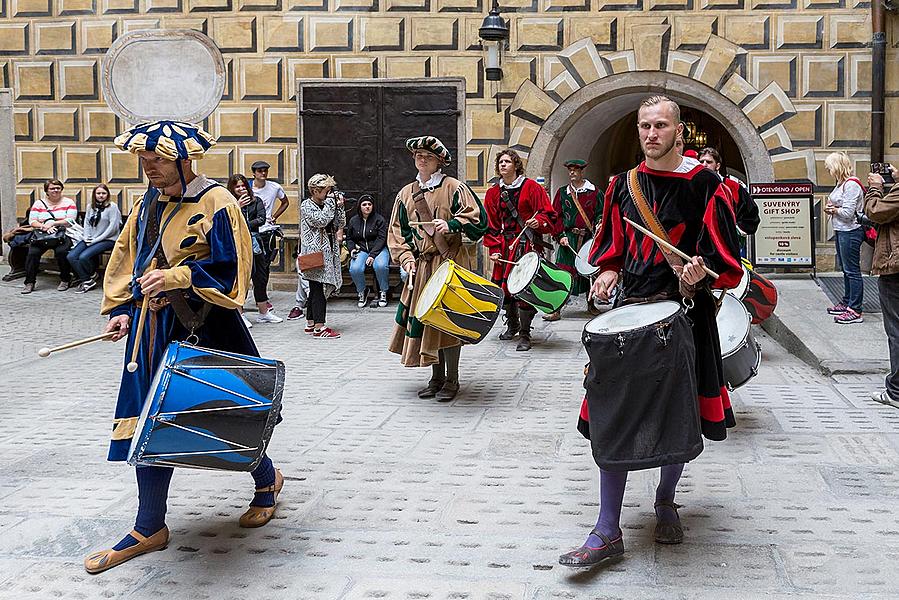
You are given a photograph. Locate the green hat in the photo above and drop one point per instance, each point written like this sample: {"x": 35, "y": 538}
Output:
{"x": 172, "y": 140}
{"x": 432, "y": 145}
{"x": 576, "y": 162}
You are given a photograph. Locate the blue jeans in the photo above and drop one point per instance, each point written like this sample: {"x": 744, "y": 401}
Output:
{"x": 381, "y": 267}
{"x": 83, "y": 258}
{"x": 849, "y": 244}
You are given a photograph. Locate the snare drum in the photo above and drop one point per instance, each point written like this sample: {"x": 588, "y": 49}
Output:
{"x": 757, "y": 293}
{"x": 540, "y": 283}
{"x": 641, "y": 387}
{"x": 582, "y": 260}
{"x": 459, "y": 302}
{"x": 741, "y": 355}
{"x": 208, "y": 409}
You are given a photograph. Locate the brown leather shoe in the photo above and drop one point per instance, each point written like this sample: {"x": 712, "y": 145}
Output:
{"x": 257, "y": 516}
{"x": 668, "y": 532}
{"x": 553, "y": 316}
{"x": 107, "y": 559}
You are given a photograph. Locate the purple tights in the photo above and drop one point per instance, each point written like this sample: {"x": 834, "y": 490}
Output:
{"x": 611, "y": 497}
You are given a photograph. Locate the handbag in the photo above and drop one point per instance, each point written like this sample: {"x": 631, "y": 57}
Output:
{"x": 47, "y": 239}
{"x": 313, "y": 260}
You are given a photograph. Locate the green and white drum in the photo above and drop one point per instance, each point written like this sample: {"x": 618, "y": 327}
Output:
{"x": 540, "y": 283}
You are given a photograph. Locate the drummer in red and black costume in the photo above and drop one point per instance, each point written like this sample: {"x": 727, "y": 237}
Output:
{"x": 694, "y": 209}
{"x": 204, "y": 242}
{"x": 571, "y": 204}
{"x": 746, "y": 210}
{"x": 513, "y": 201}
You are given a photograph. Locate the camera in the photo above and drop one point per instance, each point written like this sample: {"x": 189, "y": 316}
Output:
{"x": 883, "y": 169}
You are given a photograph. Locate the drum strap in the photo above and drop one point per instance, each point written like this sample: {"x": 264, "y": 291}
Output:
{"x": 192, "y": 320}
{"x": 535, "y": 240}
{"x": 425, "y": 214}
{"x": 580, "y": 209}
{"x": 651, "y": 221}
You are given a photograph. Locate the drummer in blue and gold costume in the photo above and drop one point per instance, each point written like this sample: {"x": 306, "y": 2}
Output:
{"x": 194, "y": 228}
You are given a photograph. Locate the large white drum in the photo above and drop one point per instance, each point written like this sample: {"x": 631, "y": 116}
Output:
{"x": 581, "y": 260}
{"x": 741, "y": 355}
{"x": 632, "y": 317}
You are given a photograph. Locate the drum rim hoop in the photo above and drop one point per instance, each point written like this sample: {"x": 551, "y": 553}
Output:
{"x": 540, "y": 261}
{"x": 746, "y": 335}
{"x": 680, "y": 310}
{"x": 450, "y": 269}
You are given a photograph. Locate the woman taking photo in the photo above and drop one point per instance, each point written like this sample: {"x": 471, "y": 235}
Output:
{"x": 366, "y": 240}
{"x": 102, "y": 224}
{"x": 253, "y": 210}
{"x": 50, "y": 218}
{"x": 845, "y": 201}
{"x": 321, "y": 217}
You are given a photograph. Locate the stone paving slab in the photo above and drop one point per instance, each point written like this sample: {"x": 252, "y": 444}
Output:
{"x": 390, "y": 496}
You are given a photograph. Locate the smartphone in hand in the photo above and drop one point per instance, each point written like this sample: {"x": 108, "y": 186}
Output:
{"x": 883, "y": 169}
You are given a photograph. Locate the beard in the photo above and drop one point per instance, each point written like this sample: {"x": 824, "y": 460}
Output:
{"x": 657, "y": 152}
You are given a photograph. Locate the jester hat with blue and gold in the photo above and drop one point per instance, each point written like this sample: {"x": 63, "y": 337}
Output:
{"x": 172, "y": 140}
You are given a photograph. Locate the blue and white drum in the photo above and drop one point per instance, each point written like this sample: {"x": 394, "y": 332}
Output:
{"x": 208, "y": 409}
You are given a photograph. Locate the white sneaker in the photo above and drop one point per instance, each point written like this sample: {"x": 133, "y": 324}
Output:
{"x": 382, "y": 299}
{"x": 246, "y": 321}
{"x": 362, "y": 298}
{"x": 268, "y": 317}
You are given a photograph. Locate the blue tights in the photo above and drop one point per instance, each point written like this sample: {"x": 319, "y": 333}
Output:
{"x": 153, "y": 491}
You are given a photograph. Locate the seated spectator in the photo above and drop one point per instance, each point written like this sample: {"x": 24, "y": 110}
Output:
{"x": 50, "y": 217}
{"x": 102, "y": 225}
{"x": 366, "y": 240}
{"x": 17, "y": 238}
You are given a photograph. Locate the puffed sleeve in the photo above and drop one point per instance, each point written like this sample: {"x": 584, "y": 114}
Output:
{"x": 608, "y": 248}
{"x": 493, "y": 237}
{"x": 469, "y": 217}
{"x": 117, "y": 296}
{"x": 541, "y": 205}
{"x": 718, "y": 243}
{"x": 400, "y": 240}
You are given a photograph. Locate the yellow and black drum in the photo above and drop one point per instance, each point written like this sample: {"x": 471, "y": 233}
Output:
{"x": 459, "y": 302}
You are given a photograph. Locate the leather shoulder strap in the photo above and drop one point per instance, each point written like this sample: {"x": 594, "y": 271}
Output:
{"x": 650, "y": 219}
{"x": 581, "y": 211}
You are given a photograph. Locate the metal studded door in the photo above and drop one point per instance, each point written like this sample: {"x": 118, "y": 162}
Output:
{"x": 357, "y": 132}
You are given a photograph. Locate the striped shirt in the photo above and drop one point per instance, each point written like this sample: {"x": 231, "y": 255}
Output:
{"x": 40, "y": 211}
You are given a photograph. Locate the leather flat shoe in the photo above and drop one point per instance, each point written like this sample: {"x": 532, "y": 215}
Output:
{"x": 668, "y": 532}
{"x": 107, "y": 559}
{"x": 448, "y": 391}
{"x": 585, "y": 556}
{"x": 257, "y": 516}
{"x": 432, "y": 389}
{"x": 553, "y": 316}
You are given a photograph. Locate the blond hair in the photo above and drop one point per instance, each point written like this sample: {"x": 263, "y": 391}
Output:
{"x": 320, "y": 180}
{"x": 838, "y": 165}
{"x": 656, "y": 100}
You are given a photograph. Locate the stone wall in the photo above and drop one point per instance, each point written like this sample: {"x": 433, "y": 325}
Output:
{"x": 799, "y": 68}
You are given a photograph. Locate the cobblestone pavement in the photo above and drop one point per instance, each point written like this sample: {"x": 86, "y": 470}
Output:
{"x": 388, "y": 496}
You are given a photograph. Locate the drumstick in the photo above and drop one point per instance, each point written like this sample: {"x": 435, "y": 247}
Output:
{"x": 515, "y": 241}
{"x": 45, "y": 352}
{"x": 420, "y": 223}
{"x": 503, "y": 260}
{"x": 411, "y": 276}
{"x": 132, "y": 366}
{"x": 665, "y": 244}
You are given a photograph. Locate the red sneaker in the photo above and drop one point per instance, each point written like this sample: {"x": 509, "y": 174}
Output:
{"x": 326, "y": 333}
{"x": 848, "y": 317}
{"x": 295, "y": 313}
{"x": 310, "y": 329}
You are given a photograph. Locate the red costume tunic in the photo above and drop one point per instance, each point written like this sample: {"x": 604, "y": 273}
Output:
{"x": 696, "y": 211}
{"x": 528, "y": 200}
{"x": 747, "y": 211}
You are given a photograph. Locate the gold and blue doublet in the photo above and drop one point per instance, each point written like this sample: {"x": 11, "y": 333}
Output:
{"x": 207, "y": 246}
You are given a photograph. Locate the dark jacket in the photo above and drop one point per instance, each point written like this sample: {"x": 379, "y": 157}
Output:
{"x": 369, "y": 235}
{"x": 254, "y": 213}
{"x": 884, "y": 210}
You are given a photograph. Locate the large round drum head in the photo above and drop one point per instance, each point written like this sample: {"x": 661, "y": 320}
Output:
{"x": 733, "y": 324}
{"x": 582, "y": 262}
{"x": 634, "y": 316}
{"x": 431, "y": 292}
{"x": 522, "y": 274}
{"x": 743, "y": 286}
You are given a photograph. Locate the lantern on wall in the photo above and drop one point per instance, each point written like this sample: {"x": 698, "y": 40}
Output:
{"x": 494, "y": 34}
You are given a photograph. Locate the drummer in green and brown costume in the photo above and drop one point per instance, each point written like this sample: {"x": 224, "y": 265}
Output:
{"x": 578, "y": 209}
{"x": 455, "y": 211}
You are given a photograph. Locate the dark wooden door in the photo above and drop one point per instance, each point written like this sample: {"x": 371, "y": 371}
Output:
{"x": 358, "y": 134}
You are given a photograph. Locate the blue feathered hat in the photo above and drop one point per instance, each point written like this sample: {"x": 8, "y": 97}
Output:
{"x": 172, "y": 140}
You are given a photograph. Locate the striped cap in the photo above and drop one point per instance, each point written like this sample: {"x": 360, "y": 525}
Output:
{"x": 172, "y": 140}
{"x": 432, "y": 145}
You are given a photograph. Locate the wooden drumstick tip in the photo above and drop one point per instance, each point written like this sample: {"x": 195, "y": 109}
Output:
{"x": 131, "y": 367}
{"x": 43, "y": 352}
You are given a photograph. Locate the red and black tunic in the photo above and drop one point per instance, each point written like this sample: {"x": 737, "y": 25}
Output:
{"x": 696, "y": 211}
{"x": 502, "y": 204}
{"x": 746, "y": 210}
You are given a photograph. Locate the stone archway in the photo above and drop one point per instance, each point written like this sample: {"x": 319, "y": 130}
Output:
{"x": 583, "y": 79}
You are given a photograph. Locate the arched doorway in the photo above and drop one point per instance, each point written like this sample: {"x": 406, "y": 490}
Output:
{"x": 596, "y": 119}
